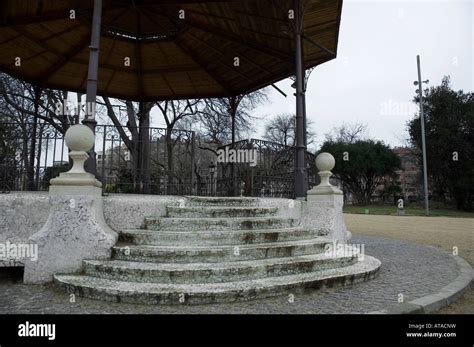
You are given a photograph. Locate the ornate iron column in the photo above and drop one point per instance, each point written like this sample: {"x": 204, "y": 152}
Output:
{"x": 300, "y": 165}
{"x": 92, "y": 76}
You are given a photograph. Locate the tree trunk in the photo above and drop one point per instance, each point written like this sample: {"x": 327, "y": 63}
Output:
{"x": 24, "y": 158}
{"x": 169, "y": 158}
{"x": 233, "y": 112}
{"x": 38, "y": 157}
{"x": 31, "y": 165}
{"x": 30, "y": 170}
{"x": 143, "y": 161}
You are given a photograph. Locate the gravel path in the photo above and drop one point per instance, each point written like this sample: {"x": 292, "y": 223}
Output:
{"x": 409, "y": 269}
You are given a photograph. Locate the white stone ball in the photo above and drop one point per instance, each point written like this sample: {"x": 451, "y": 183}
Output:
{"x": 325, "y": 161}
{"x": 79, "y": 138}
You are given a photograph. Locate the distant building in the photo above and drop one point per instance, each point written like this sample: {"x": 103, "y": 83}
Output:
{"x": 410, "y": 173}
{"x": 114, "y": 159}
{"x": 408, "y": 177}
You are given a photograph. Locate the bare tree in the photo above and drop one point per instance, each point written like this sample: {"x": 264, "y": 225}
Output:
{"x": 31, "y": 108}
{"x": 21, "y": 97}
{"x": 225, "y": 120}
{"x": 348, "y": 133}
{"x": 175, "y": 114}
{"x": 138, "y": 142}
{"x": 282, "y": 128}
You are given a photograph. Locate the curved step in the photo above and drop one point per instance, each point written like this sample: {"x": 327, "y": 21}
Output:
{"x": 190, "y": 254}
{"x": 212, "y": 272}
{"x": 219, "y": 211}
{"x": 222, "y": 201}
{"x": 218, "y": 237}
{"x": 193, "y": 224}
{"x": 176, "y": 294}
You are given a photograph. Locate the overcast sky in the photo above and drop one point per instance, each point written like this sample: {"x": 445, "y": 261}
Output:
{"x": 371, "y": 80}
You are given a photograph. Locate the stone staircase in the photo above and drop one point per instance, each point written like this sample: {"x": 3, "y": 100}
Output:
{"x": 216, "y": 250}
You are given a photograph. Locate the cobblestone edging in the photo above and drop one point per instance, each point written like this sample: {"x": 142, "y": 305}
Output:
{"x": 444, "y": 297}
{"x": 410, "y": 269}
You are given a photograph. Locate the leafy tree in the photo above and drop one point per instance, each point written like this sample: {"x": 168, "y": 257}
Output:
{"x": 393, "y": 191}
{"x": 449, "y": 128}
{"x": 362, "y": 165}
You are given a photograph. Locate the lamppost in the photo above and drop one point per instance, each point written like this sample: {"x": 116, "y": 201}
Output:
{"x": 419, "y": 83}
{"x": 212, "y": 172}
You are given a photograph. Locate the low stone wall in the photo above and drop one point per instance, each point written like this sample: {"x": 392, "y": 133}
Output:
{"x": 24, "y": 213}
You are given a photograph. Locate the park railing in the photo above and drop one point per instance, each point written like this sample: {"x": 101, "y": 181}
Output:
{"x": 147, "y": 160}
{"x": 270, "y": 175}
{"x": 30, "y": 155}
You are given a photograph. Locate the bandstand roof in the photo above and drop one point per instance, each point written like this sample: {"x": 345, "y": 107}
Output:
{"x": 170, "y": 58}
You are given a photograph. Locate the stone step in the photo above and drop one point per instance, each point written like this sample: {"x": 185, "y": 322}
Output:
{"x": 209, "y": 224}
{"x": 219, "y": 211}
{"x": 191, "y": 254}
{"x": 221, "y": 201}
{"x": 176, "y": 294}
{"x": 212, "y": 272}
{"x": 218, "y": 237}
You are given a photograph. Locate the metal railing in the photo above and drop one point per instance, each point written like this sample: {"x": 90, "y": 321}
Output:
{"x": 30, "y": 156}
{"x": 272, "y": 175}
{"x": 147, "y": 161}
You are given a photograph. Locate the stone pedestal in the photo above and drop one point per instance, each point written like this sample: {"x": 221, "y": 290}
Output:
{"x": 323, "y": 209}
{"x": 75, "y": 229}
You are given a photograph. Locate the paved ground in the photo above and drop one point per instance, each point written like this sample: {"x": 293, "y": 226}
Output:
{"x": 443, "y": 232}
{"x": 409, "y": 269}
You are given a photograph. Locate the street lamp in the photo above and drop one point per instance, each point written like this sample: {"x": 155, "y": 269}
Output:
{"x": 419, "y": 83}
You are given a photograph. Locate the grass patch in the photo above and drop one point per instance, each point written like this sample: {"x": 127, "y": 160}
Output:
{"x": 409, "y": 211}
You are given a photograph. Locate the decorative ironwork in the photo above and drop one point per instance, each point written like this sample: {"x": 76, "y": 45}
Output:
{"x": 149, "y": 161}
{"x": 272, "y": 176}
{"x": 22, "y": 170}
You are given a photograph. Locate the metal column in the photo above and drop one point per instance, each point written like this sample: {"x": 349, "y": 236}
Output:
{"x": 300, "y": 165}
{"x": 92, "y": 76}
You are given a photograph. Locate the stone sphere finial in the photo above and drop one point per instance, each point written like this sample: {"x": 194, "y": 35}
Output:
{"x": 79, "y": 138}
{"x": 325, "y": 161}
